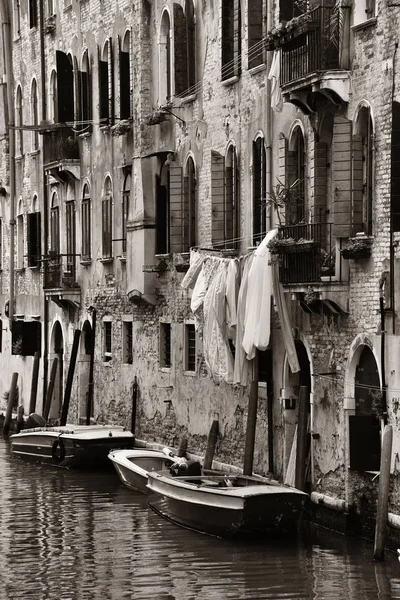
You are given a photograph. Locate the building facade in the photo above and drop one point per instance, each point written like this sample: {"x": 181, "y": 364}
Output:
{"x": 144, "y": 130}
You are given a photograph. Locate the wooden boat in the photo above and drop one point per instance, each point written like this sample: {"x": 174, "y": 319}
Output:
{"x": 133, "y": 465}
{"x": 71, "y": 445}
{"x": 226, "y": 505}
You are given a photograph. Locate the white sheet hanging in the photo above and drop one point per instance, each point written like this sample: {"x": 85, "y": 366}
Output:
{"x": 274, "y": 76}
{"x": 284, "y": 319}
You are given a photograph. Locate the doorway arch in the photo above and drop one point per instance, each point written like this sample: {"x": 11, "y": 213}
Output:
{"x": 57, "y": 351}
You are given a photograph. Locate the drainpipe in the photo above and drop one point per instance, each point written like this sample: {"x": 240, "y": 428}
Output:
{"x": 45, "y": 207}
{"x": 382, "y": 312}
{"x": 6, "y": 22}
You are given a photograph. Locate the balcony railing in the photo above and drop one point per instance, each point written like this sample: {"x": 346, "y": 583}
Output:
{"x": 314, "y": 45}
{"x": 60, "y": 272}
{"x": 60, "y": 145}
{"x": 306, "y": 253}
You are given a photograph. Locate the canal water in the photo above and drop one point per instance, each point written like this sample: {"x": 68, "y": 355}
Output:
{"x": 71, "y": 535}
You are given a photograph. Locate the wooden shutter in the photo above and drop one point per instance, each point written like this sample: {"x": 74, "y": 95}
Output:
{"x": 341, "y": 175}
{"x": 180, "y": 51}
{"x": 217, "y": 197}
{"x": 110, "y": 82}
{"x": 357, "y": 182}
{"x": 65, "y": 88}
{"x": 103, "y": 91}
{"x": 33, "y": 231}
{"x": 175, "y": 208}
{"x": 237, "y": 37}
{"x": 320, "y": 187}
{"x": 282, "y": 152}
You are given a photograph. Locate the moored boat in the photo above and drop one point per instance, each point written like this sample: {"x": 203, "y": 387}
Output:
{"x": 133, "y": 465}
{"x": 71, "y": 445}
{"x": 226, "y": 505}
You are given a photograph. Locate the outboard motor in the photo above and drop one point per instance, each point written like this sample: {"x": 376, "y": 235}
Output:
{"x": 191, "y": 467}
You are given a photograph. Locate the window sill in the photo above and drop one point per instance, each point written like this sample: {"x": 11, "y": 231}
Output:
{"x": 163, "y": 256}
{"x": 188, "y": 99}
{"x": 105, "y": 128}
{"x": 190, "y": 373}
{"x": 122, "y": 259}
{"x": 17, "y": 38}
{"x": 365, "y": 24}
{"x": 34, "y": 268}
{"x": 19, "y": 158}
{"x": 257, "y": 69}
{"x": 67, "y": 8}
{"x": 20, "y": 270}
{"x": 84, "y": 135}
{"x": 231, "y": 80}
{"x": 86, "y": 263}
{"x": 165, "y": 369}
{"x": 107, "y": 261}
{"x": 34, "y": 152}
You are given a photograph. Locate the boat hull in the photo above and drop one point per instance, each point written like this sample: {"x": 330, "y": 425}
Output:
{"x": 132, "y": 466}
{"x": 70, "y": 447}
{"x": 251, "y": 516}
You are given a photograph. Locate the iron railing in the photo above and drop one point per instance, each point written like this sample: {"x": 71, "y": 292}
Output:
{"x": 315, "y": 45}
{"x": 60, "y": 144}
{"x": 306, "y": 253}
{"x": 59, "y": 272}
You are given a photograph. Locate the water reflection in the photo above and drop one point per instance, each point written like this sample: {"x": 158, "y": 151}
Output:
{"x": 82, "y": 536}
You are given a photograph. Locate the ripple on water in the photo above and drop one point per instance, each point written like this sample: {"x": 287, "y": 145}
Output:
{"x": 70, "y": 535}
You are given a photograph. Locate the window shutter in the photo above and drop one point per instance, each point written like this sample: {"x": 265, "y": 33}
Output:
{"x": 176, "y": 208}
{"x": 237, "y": 37}
{"x": 103, "y": 91}
{"x": 180, "y": 51}
{"x": 282, "y": 151}
{"x": 341, "y": 175}
{"x": 65, "y": 88}
{"x": 110, "y": 82}
{"x": 357, "y": 182}
{"x": 217, "y": 197}
{"x": 320, "y": 190}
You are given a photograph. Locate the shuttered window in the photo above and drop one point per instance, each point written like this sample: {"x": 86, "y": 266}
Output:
{"x": 65, "y": 88}
{"x": 106, "y": 99}
{"x": 55, "y": 227}
{"x": 34, "y": 237}
{"x": 259, "y": 190}
{"x": 85, "y": 96}
{"x": 190, "y": 348}
{"x": 176, "y": 230}
{"x": 125, "y": 77}
{"x": 125, "y": 210}
{"x": 107, "y": 226}
{"x": 165, "y": 345}
{"x": 230, "y": 39}
{"x": 190, "y": 207}
{"x": 86, "y": 224}
{"x": 342, "y": 176}
{"x": 70, "y": 237}
{"x": 184, "y": 48}
{"x": 256, "y": 53}
{"x": 296, "y": 179}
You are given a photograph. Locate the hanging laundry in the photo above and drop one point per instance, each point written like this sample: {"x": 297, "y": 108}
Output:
{"x": 208, "y": 269}
{"x": 242, "y": 370}
{"x": 232, "y": 289}
{"x": 257, "y": 327}
{"x": 286, "y": 328}
{"x": 196, "y": 262}
{"x": 274, "y": 76}
{"x": 217, "y": 354}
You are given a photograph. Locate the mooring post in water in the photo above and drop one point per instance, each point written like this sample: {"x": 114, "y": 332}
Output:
{"x": 11, "y": 397}
{"x": 250, "y": 429}
{"x": 383, "y": 493}
{"x": 20, "y": 418}
{"x": 182, "y": 447}
{"x": 50, "y": 389}
{"x": 34, "y": 384}
{"x": 134, "y": 404}
{"x": 211, "y": 444}
{"x": 70, "y": 377}
{"x": 301, "y": 447}
{"x": 89, "y": 397}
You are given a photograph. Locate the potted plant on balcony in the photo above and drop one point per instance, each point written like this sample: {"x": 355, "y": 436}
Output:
{"x": 357, "y": 248}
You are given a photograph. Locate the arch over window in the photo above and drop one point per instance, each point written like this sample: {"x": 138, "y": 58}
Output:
{"x": 296, "y": 178}
{"x": 125, "y": 77}
{"x": 231, "y": 225}
{"x": 65, "y": 87}
{"x": 70, "y": 225}
{"x": 53, "y": 109}
{"x": 20, "y": 235}
{"x": 34, "y": 116}
{"x": 125, "y": 209}
{"x": 107, "y": 220}
{"x": 19, "y": 122}
{"x": 84, "y": 116}
{"x": 106, "y": 73}
{"x": 259, "y": 180}
{"x": 165, "y": 79}
{"x": 363, "y": 154}
{"x": 190, "y": 206}
{"x": 55, "y": 225}
{"x": 86, "y": 224}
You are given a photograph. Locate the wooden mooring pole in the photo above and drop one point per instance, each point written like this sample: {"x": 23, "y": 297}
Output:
{"x": 301, "y": 448}
{"x": 11, "y": 397}
{"x": 383, "y": 493}
{"x": 134, "y": 404}
{"x": 34, "y": 384}
{"x": 70, "y": 377}
{"x": 89, "y": 397}
{"x": 211, "y": 443}
{"x": 251, "y": 429}
{"x": 50, "y": 389}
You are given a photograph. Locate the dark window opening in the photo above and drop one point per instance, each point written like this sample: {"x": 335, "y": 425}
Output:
{"x": 259, "y": 191}
{"x": 86, "y": 227}
{"x": 231, "y": 39}
{"x": 25, "y": 337}
{"x": 106, "y": 86}
{"x": 125, "y": 211}
{"x": 85, "y": 96}
{"x": 264, "y": 366}
{"x": 34, "y": 238}
{"x": 32, "y": 14}
{"x": 125, "y": 81}
{"x": 231, "y": 200}
{"x": 190, "y": 206}
{"x": 296, "y": 206}
{"x": 291, "y": 8}
{"x": 107, "y": 340}
{"x": 107, "y": 221}
{"x": 165, "y": 345}
{"x": 127, "y": 343}
{"x": 65, "y": 88}
{"x": 71, "y": 239}
{"x": 190, "y": 363}
{"x": 162, "y": 212}
{"x": 256, "y": 54}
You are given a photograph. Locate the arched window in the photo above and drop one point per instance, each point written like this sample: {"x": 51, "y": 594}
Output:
{"x": 65, "y": 87}
{"x": 53, "y": 111}
{"x": 125, "y": 210}
{"x": 86, "y": 224}
{"x": 106, "y": 100}
{"x": 107, "y": 220}
{"x": 165, "y": 58}
{"x": 34, "y": 116}
{"x": 230, "y": 39}
{"x": 34, "y": 235}
{"x": 20, "y": 235}
{"x": 256, "y": 30}
{"x": 125, "y": 77}
{"x": 231, "y": 229}
{"x": 190, "y": 206}
{"x": 19, "y": 150}
{"x": 55, "y": 226}
{"x": 162, "y": 210}
{"x": 259, "y": 181}
{"x": 296, "y": 178}
{"x": 70, "y": 231}
{"x": 363, "y": 154}
{"x": 184, "y": 48}
{"x": 85, "y": 99}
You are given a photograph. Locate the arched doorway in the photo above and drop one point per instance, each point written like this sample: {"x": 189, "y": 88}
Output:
{"x": 84, "y": 367}
{"x": 293, "y": 382}
{"x": 57, "y": 350}
{"x": 365, "y": 442}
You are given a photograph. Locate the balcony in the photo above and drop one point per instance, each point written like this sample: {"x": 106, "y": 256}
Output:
{"x": 314, "y": 55}
{"x": 61, "y": 152}
{"x": 60, "y": 280}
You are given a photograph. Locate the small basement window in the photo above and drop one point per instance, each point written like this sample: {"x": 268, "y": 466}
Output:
{"x": 107, "y": 340}
{"x": 127, "y": 350}
{"x": 26, "y": 337}
{"x": 165, "y": 345}
{"x": 190, "y": 347}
